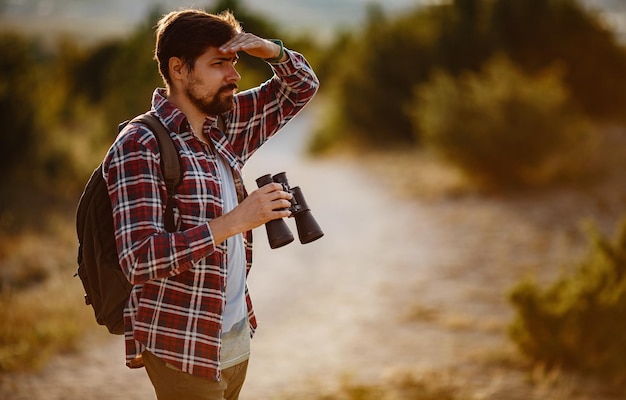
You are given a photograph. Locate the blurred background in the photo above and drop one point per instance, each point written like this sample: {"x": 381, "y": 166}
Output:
{"x": 468, "y": 104}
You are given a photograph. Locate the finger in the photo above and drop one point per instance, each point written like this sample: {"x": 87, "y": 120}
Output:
{"x": 282, "y": 195}
{"x": 270, "y": 187}
{"x": 280, "y": 204}
{"x": 276, "y": 189}
{"x": 242, "y": 41}
{"x": 229, "y": 46}
{"x": 280, "y": 213}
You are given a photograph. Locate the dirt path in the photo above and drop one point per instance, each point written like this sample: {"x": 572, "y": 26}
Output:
{"x": 393, "y": 286}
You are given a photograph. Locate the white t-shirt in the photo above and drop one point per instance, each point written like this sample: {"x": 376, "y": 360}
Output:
{"x": 235, "y": 332}
{"x": 235, "y": 309}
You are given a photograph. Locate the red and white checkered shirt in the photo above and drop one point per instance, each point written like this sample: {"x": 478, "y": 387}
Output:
{"x": 175, "y": 308}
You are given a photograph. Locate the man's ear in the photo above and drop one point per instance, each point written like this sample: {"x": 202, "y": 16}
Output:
{"x": 177, "y": 68}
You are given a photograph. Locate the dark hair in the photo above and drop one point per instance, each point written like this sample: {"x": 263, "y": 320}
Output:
{"x": 187, "y": 34}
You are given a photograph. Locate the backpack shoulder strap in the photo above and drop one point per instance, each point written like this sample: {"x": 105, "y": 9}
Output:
{"x": 170, "y": 163}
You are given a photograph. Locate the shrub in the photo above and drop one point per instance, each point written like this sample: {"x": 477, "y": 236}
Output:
{"x": 536, "y": 33}
{"x": 502, "y": 127}
{"x": 578, "y": 322}
{"x": 377, "y": 68}
{"x": 41, "y": 305}
{"x": 18, "y": 108}
{"x": 371, "y": 80}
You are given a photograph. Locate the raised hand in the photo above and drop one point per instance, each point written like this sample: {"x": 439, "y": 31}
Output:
{"x": 251, "y": 44}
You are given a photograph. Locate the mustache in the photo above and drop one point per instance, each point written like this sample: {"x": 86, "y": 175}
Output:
{"x": 229, "y": 87}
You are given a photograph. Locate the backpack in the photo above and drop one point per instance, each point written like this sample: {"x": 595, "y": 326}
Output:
{"x": 106, "y": 287}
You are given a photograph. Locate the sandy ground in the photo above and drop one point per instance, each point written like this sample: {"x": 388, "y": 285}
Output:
{"x": 394, "y": 286}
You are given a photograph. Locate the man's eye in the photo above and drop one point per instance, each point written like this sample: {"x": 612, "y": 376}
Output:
{"x": 224, "y": 62}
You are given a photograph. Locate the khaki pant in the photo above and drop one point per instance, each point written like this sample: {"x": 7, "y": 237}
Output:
{"x": 172, "y": 384}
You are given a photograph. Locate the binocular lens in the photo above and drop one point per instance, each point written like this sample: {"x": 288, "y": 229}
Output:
{"x": 278, "y": 233}
{"x": 308, "y": 229}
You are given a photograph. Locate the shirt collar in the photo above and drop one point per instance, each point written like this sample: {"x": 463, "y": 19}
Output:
{"x": 170, "y": 115}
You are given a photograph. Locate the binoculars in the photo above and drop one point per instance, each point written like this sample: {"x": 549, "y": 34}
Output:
{"x": 278, "y": 232}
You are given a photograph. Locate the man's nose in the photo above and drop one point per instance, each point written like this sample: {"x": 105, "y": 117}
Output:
{"x": 233, "y": 75}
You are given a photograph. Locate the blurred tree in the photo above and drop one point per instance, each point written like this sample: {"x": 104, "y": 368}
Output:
{"x": 251, "y": 22}
{"x": 19, "y": 80}
{"x": 538, "y": 33}
{"x": 378, "y": 67}
{"x": 90, "y": 75}
{"x": 577, "y": 321}
{"x": 502, "y": 127}
{"x": 464, "y": 42}
{"x": 373, "y": 77}
{"x": 131, "y": 76}
{"x": 36, "y": 108}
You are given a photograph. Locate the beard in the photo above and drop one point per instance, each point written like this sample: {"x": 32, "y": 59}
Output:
{"x": 208, "y": 104}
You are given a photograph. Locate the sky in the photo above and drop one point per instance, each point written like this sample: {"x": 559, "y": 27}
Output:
{"x": 111, "y": 17}
{"x": 118, "y": 15}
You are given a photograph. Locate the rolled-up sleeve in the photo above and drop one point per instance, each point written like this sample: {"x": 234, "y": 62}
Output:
{"x": 260, "y": 112}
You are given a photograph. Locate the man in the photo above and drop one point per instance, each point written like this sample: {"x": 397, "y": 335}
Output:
{"x": 189, "y": 319}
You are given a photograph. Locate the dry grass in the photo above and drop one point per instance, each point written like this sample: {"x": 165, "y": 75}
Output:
{"x": 399, "y": 385}
{"x": 419, "y": 174}
{"x": 415, "y": 173}
{"x": 41, "y": 305}
{"x": 547, "y": 223}
{"x": 454, "y": 321}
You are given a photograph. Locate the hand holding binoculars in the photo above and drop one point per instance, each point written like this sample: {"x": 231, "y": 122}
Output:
{"x": 278, "y": 232}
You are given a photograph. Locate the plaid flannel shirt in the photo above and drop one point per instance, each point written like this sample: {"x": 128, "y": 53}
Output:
{"x": 175, "y": 308}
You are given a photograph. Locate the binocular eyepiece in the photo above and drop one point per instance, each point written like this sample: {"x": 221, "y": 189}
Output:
{"x": 278, "y": 232}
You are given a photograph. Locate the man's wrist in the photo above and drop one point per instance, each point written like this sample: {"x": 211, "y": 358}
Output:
{"x": 281, "y": 53}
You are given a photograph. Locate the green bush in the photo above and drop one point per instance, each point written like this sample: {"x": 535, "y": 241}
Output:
{"x": 371, "y": 79}
{"x": 537, "y": 33}
{"x": 502, "y": 127}
{"x": 19, "y": 79}
{"x": 376, "y": 69}
{"x": 578, "y": 322}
